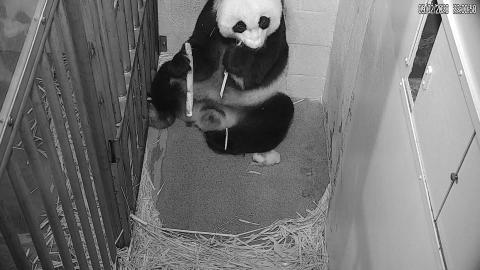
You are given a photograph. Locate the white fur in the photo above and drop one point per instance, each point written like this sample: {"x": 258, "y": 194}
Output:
{"x": 229, "y": 12}
{"x": 210, "y": 89}
{"x": 267, "y": 159}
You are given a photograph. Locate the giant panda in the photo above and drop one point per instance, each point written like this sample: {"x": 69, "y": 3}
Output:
{"x": 245, "y": 38}
{"x": 250, "y": 34}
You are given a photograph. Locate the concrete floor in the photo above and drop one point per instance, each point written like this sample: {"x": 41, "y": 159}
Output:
{"x": 203, "y": 191}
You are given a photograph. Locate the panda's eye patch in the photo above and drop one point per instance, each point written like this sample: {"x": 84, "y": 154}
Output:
{"x": 264, "y": 22}
{"x": 239, "y": 27}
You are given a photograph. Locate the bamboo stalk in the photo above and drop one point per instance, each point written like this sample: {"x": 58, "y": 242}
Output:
{"x": 43, "y": 183}
{"x": 10, "y": 237}
{"x": 23, "y": 197}
{"x": 60, "y": 128}
{"x": 58, "y": 176}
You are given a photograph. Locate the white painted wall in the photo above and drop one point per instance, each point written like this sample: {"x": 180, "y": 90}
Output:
{"x": 388, "y": 161}
{"x": 310, "y": 26}
{"x": 379, "y": 216}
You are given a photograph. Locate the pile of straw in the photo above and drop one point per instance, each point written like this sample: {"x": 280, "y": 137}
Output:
{"x": 286, "y": 244}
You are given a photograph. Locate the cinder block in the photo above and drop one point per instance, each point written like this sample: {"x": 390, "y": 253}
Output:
{"x": 292, "y": 5}
{"x": 316, "y": 5}
{"x": 313, "y": 28}
{"x": 300, "y": 86}
{"x": 308, "y": 60}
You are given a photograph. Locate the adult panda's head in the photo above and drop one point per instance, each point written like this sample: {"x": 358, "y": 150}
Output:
{"x": 249, "y": 21}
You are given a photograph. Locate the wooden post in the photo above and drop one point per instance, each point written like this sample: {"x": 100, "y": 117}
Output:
{"x": 43, "y": 183}
{"x": 58, "y": 176}
{"x": 113, "y": 51}
{"x": 11, "y": 238}
{"x": 85, "y": 94}
{"x": 70, "y": 165}
{"x": 24, "y": 200}
{"x": 129, "y": 22}
{"x": 76, "y": 134}
{"x": 123, "y": 35}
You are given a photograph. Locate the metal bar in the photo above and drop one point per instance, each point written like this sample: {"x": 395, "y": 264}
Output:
{"x": 152, "y": 36}
{"x": 43, "y": 183}
{"x": 58, "y": 176}
{"x": 11, "y": 239}
{"x": 22, "y": 79}
{"x": 71, "y": 167}
{"x": 157, "y": 40}
{"x": 141, "y": 63}
{"x": 119, "y": 178}
{"x": 126, "y": 158}
{"x": 67, "y": 96}
{"x": 94, "y": 137}
{"x": 113, "y": 54}
{"x": 24, "y": 200}
{"x": 148, "y": 39}
{"x": 136, "y": 18}
{"x": 134, "y": 88}
{"x": 122, "y": 34}
{"x": 134, "y": 156}
{"x": 454, "y": 176}
{"x": 142, "y": 72}
{"x": 129, "y": 21}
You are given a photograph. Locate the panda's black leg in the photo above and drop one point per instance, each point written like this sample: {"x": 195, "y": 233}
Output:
{"x": 260, "y": 129}
{"x": 166, "y": 98}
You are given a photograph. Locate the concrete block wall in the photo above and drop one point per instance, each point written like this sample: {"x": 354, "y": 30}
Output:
{"x": 310, "y": 26}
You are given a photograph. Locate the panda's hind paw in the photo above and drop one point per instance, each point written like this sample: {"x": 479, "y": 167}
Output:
{"x": 160, "y": 120}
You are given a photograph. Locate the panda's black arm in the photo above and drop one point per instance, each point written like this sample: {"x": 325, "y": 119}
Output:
{"x": 166, "y": 97}
{"x": 203, "y": 49}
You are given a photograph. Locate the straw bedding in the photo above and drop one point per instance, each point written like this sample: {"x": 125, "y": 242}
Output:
{"x": 296, "y": 243}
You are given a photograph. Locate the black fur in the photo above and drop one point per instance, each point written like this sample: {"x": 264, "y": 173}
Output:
{"x": 263, "y": 128}
{"x": 260, "y": 127}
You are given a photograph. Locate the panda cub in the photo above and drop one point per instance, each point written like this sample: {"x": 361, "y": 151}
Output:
{"x": 245, "y": 38}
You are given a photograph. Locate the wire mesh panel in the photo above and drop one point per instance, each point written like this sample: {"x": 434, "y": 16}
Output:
{"x": 73, "y": 130}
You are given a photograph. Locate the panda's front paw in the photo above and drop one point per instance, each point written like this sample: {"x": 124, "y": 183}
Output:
{"x": 179, "y": 66}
